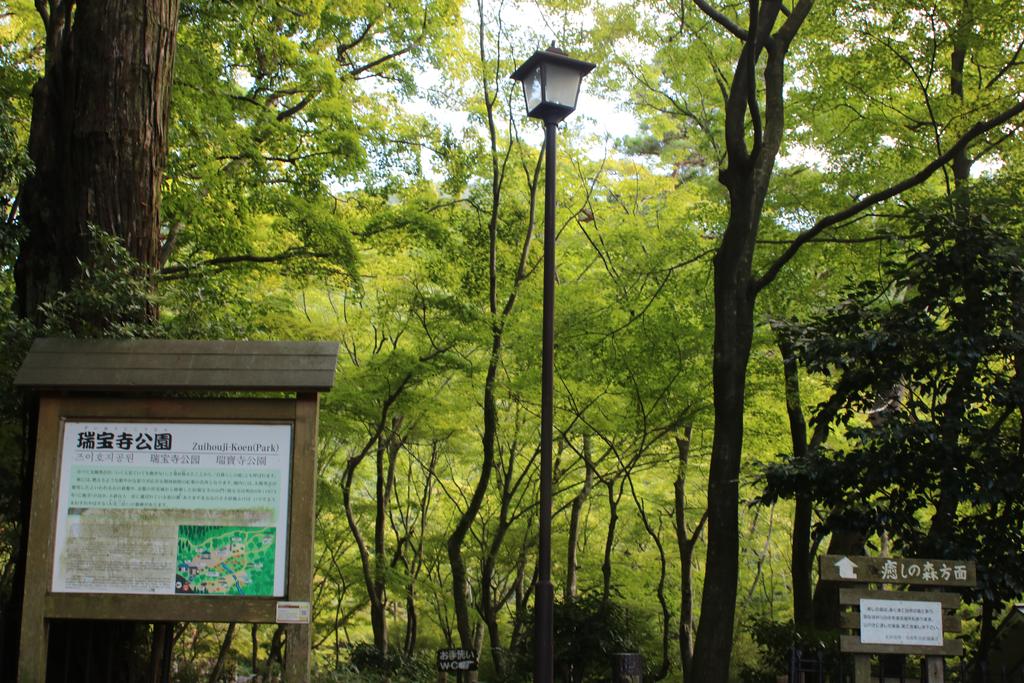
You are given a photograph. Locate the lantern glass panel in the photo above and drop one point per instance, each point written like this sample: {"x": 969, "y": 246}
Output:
{"x": 533, "y": 90}
{"x": 563, "y": 85}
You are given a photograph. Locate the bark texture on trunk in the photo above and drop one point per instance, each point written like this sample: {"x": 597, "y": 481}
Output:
{"x": 753, "y": 136}
{"x": 98, "y": 145}
{"x": 98, "y": 139}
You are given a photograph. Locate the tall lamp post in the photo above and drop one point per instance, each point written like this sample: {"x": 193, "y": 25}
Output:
{"x": 551, "y": 83}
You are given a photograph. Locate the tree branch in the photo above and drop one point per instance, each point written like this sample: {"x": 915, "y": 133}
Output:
{"x": 344, "y": 48}
{"x": 870, "y": 200}
{"x": 299, "y": 106}
{"x": 44, "y": 12}
{"x": 794, "y": 20}
{"x": 380, "y": 60}
{"x": 175, "y": 272}
{"x": 721, "y": 19}
{"x": 1013, "y": 62}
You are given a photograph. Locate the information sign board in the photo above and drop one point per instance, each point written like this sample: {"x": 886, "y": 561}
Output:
{"x": 172, "y": 508}
{"x": 899, "y": 570}
{"x": 900, "y": 622}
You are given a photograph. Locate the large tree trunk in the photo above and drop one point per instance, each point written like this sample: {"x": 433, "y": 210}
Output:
{"x": 98, "y": 139}
{"x": 733, "y": 334}
{"x": 747, "y": 178}
{"x": 98, "y": 144}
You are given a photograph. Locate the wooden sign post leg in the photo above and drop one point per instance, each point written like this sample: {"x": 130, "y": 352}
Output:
{"x": 300, "y": 555}
{"x": 296, "y": 654}
{"x": 32, "y": 657}
{"x": 862, "y": 669}
{"x": 936, "y": 669}
{"x": 34, "y": 629}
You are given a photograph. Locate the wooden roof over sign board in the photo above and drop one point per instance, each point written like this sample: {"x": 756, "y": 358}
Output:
{"x": 178, "y": 365}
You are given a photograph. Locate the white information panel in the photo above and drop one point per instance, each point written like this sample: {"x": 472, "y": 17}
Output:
{"x": 900, "y": 622}
{"x": 173, "y": 508}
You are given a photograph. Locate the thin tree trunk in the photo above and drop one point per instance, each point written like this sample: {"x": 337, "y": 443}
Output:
{"x": 686, "y": 543}
{"x": 666, "y": 613}
{"x": 371, "y": 573}
{"x": 275, "y": 653}
{"x": 460, "y": 584}
{"x": 412, "y": 619}
{"x": 800, "y": 545}
{"x": 254, "y": 646}
{"x": 571, "y": 563}
{"x": 222, "y": 654}
{"x": 609, "y": 543}
{"x": 387, "y": 457}
{"x": 490, "y": 604}
{"x": 989, "y": 610}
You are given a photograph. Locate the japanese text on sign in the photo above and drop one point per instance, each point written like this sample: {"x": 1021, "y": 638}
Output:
{"x": 456, "y": 659}
{"x": 901, "y": 570}
{"x": 900, "y": 622}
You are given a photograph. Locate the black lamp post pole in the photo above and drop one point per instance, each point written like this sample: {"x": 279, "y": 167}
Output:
{"x": 551, "y": 84}
{"x": 545, "y": 595}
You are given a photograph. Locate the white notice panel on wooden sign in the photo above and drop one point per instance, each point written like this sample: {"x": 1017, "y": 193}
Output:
{"x": 900, "y": 622}
{"x": 173, "y": 508}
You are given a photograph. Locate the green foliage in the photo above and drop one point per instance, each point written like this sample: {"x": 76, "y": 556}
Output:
{"x": 111, "y": 298}
{"x": 369, "y": 665}
{"x": 276, "y": 109}
{"x": 776, "y": 640}
{"x": 588, "y": 631}
{"x": 18, "y": 71}
{"x": 304, "y": 200}
{"x": 931, "y": 352}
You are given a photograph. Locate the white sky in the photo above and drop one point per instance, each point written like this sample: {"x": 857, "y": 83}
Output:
{"x": 596, "y": 116}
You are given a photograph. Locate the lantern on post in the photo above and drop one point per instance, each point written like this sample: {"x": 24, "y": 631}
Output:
{"x": 551, "y": 83}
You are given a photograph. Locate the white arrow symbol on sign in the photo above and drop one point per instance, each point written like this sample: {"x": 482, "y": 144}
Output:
{"x": 846, "y": 568}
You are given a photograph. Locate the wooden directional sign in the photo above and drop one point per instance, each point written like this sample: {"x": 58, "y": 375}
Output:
{"x": 901, "y": 570}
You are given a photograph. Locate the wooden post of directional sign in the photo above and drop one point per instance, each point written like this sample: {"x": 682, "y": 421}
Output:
{"x": 183, "y": 509}
{"x": 899, "y": 622}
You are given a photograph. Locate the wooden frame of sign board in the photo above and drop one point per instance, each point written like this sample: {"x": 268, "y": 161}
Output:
{"x": 149, "y": 366}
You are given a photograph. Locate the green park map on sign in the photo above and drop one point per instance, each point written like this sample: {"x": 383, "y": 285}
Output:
{"x": 225, "y": 560}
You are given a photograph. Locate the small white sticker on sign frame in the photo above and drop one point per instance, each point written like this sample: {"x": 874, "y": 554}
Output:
{"x": 293, "y": 612}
